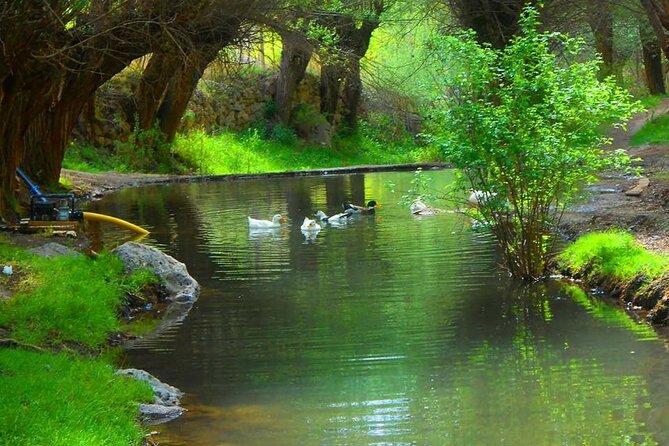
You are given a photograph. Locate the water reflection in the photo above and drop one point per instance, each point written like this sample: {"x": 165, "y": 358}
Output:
{"x": 390, "y": 330}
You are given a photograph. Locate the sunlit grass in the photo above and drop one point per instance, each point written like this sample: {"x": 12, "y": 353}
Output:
{"x": 613, "y": 254}
{"x": 65, "y": 299}
{"x": 63, "y": 400}
{"x": 232, "y": 153}
{"x": 654, "y": 132}
{"x": 252, "y": 152}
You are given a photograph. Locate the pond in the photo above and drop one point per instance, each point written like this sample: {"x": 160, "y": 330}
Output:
{"x": 389, "y": 330}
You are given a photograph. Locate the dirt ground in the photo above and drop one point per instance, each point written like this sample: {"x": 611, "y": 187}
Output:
{"x": 606, "y": 204}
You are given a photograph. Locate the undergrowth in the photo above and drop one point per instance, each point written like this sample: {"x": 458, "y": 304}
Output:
{"x": 256, "y": 150}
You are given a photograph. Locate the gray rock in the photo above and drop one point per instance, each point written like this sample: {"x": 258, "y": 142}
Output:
{"x": 53, "y": 249}
{"x": 164, "y": 394}
{"x": 158, "y": 414}
{"x": 182, "y": 289}
{"x": 174, "y": 275}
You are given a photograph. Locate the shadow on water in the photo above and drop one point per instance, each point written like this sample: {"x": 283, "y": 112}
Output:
{"x": 389, "y": 330}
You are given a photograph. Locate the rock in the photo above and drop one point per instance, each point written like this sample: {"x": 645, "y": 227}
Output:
{"x": 166, "y": 398}
{"x": 164, "y": 394}
{"x": 638, "y": 188}
{"x": 54, "y": 250}
{"x": 180, "y": 286}
{"x": 158, "y": 414}
{"x": 182, "y": 290}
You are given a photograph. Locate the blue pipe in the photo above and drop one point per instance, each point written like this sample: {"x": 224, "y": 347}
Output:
{"x": 34, "y": 190}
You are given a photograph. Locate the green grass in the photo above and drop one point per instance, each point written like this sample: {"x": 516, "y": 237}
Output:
{"x": 87, "y": 158}
{"x": 654, "y": 132}
{"x": 253, "y": 152}
{"x": 613, "y": 254}
{"x": 648, "y": 102}
{"x": 63, "y": 400}
{"x": 65, "y": 299}
{"x": 231, "y": 153}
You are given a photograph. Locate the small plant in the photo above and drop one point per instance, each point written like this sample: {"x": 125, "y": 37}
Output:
{"x": 284, "y": 135}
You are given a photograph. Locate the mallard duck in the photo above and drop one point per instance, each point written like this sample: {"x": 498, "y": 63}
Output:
{"x": 310, "y": 225}
{"x": 369, "y": 209}
{"x": 267, "y": 224}
{"x": 336, "y": 218}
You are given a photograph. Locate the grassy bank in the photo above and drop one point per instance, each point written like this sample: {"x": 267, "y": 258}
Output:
{"x": 615, "y": 261}
{"x": 65, "y": 305}
{"x": 251, "y": 151}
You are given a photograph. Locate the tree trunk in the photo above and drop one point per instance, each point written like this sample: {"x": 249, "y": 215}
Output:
{"x": 601, "y": 23}
{"x": 358, "y": 41}
{"x": 181, "y": 87}
{"x": 157, "y": 74}
{"x": 295, "y": 57}
{"x": 659, "y": 20}
{"x": 351, "y": 95}
{"x": 329, "y": 90}
{"x": 494, "y": 21}
{"x": 652, "y": 61}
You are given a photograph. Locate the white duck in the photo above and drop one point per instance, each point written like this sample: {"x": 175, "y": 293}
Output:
{"x": 418, "y": 207}
{"x": 310, "y": 225}
{"x": 477, "y": 197}
{"x": 336, "y": 218}
{"x": 267, "y": 224}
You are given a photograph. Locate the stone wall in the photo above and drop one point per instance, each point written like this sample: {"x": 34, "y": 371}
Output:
{"x": 235, "y": 104}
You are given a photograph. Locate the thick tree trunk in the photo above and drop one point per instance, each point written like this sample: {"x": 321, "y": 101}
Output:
{"x": 181, "y": 87}
{"x": 295, "y": 57}
{"x": 50, "y": 130}
{"x": 46, "y": 139}
{"x": 658, "y": 15}
{"x": 494, "y": 21}
{"x": 330, "y": 86}
{"x": 358, "y": 41}
{"x": 351, "y": 96}
{"x": 652, "y": 61}
{"x": 157, "y": 74}
{"x": 601, "y": 23}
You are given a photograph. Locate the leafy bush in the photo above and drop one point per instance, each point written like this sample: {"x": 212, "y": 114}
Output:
{"x": 523, "y": 125}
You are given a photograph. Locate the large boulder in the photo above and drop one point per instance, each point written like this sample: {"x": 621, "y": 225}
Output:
{"x": 181, "y": 288}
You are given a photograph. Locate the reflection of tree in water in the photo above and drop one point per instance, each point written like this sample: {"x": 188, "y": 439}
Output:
{"x": 536, "y": 362}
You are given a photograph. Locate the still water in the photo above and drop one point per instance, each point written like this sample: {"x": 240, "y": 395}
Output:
{"x": 390, "y": 330}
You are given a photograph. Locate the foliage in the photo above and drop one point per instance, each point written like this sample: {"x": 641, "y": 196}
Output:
{"x": 523, "y": 125}
{"x": 306, "y": 117}
{"x": 146, "y": 150}
{"x": 613, "y": 254}
{"x": 283, "y": 135}
{"x": 62, "y": 400}
{"x": 653, "y": 132}
{"x": 89, "y": 158}
{"x": 419, "y": 188}
{"x": 251, "y": 152}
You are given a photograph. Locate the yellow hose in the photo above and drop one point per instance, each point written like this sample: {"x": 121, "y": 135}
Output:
{"x": 117, "y": 221}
